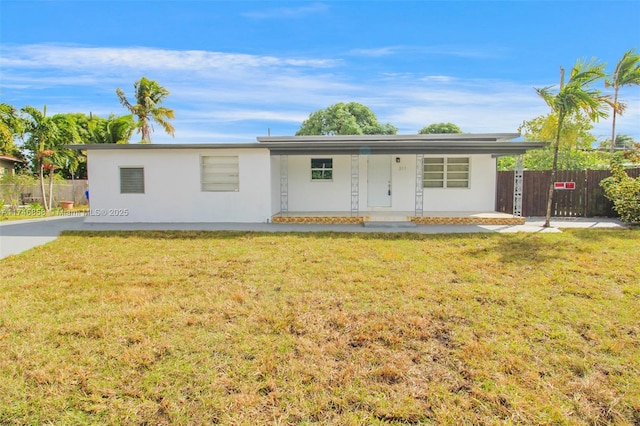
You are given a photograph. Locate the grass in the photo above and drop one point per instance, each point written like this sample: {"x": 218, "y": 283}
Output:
{"x": 345, "y": 329}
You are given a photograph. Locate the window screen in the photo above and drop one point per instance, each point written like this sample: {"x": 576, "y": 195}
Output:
{"x": 219, "y": 173}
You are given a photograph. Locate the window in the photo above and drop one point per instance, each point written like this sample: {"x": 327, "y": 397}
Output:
{"x": 321, "y": 168}
{"x": 446, "y": 172}
{"x": 433, "y": 173}
{"x": 219, "y": 173}
{"x": 132, "y": 180}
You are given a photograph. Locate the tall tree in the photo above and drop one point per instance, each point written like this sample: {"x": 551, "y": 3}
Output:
{"x": 574, "y": 97}
{"x": 345, "y": 119}
{"x": 11, "y": 127}
{"x": 47, "y": 137}
{"x": 113, "y": 129}
{"x": 42, "y": 131}
{"x": 576, "y": 130}
{"x": 627, "y": 73}
{"x": 439, "y": 128}
{"x": 72, "y": 129}
{"x": 149, "y": 96}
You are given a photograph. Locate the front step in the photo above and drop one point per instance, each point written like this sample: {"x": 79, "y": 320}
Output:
{"x": 388, "y": 224}
{"x": 387, "y": 218}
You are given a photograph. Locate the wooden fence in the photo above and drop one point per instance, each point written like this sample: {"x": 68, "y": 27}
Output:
{"x": 586, "y": 199}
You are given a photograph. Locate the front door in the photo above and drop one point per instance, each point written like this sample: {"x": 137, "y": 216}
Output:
{"x": 379, "y": 181}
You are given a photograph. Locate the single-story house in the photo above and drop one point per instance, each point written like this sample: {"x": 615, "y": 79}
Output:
{"x": 7, "y": 164}
{"x": 348, "y": 179}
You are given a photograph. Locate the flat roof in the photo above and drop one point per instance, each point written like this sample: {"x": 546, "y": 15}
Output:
{"x": 441, "y": 137}
{"x": 496, "y": 144}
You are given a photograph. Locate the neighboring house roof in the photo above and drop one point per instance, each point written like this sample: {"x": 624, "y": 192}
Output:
{"x": 10, "y": 158}
{"x": 467, "y": 143}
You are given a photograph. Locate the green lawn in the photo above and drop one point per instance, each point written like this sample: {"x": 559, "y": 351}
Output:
{"x": 253, "y": 328}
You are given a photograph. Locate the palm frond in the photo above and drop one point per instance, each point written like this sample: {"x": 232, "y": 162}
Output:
{"x": 123, "y": 98}
{"x": 627, "y": 70}
{"x": 586, "y": 73}
{"x": 546, "y": 94}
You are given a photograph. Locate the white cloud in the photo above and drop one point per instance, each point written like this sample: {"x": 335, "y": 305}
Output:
{"x": 436, "y": 50}
{"x": 375, "y": 52}
{"x": 242, "y": 114}
{"x": 287, "y": 12}
{"x": 106, "y": 58}
{"x": 234, "y": 96}
{"x": 438, "y": 78}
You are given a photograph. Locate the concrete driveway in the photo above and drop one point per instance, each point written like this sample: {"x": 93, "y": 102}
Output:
{"x": 19, "y": 236}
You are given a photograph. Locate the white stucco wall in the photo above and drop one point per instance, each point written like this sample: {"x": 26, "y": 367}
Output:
{"x": 306, "y": 195}
{"x": 172, "y": 187}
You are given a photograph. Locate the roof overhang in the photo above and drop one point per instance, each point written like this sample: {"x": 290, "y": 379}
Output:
{"x": 10, "y": 158}
{"x": 373, "y": 148}
{"x": 496, "y": 144}
{"x": 442, "y": 137}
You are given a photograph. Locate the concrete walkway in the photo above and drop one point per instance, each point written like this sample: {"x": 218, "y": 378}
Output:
{"x": 19, "y": 236}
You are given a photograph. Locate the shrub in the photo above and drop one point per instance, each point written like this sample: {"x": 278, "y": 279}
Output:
{"x": 35, "y": 206}
{"x": 624, "y": 192}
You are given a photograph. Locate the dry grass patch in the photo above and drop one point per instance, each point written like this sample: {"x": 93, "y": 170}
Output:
{"x": 250, "y": 328}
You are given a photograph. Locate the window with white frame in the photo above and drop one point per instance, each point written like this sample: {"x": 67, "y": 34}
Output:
{"x": 447, "y": 172}
{"x": 322, "y": 169}
{"x": 219, "y": 173}
{"x": 132, "y": 180}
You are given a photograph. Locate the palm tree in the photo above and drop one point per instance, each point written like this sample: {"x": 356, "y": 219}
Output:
{"x": 42, "y": 132}
{"x": 113, "y": 129}
{"x": 627, "y": 73}
{"x": 47, "y": 137}
{"x": 570, "y": 99}
{"x": 149, "y": 95}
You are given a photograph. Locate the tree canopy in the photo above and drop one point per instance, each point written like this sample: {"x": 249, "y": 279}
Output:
{"x": 439, "y": 128}
{"x": 627, "y": 73}
{"x": 11, "y": 126}
{"x": 148, "y": 97}
{"x": 575, "y": 132}
{"x": 345, "y": 119}
{"x": 113, "y": 129}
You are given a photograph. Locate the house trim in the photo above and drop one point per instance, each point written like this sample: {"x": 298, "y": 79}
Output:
{"x": 496, "y": 144}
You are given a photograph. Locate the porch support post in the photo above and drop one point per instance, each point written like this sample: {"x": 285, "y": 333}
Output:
{"x": 518, "y": 174}
{"x": 419, "y": 186}
{"x": 355, "y": 184}
{"x": 284, "y": 184}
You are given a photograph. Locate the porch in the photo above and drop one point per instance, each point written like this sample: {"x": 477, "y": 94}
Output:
{"x": 408, "y": 217}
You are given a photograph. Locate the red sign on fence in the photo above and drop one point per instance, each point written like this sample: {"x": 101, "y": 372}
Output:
{"x": 564, "y": 185}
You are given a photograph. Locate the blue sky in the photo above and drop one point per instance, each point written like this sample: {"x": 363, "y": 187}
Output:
{"x": 238, "y": 68}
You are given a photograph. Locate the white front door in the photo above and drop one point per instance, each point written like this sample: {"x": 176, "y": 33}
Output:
{"x": 379, "y": 181}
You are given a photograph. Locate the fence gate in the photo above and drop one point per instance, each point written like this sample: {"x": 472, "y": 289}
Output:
{"x": 578, "y": 193}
